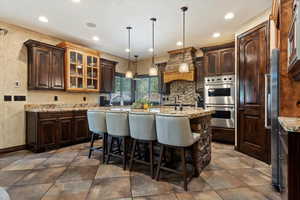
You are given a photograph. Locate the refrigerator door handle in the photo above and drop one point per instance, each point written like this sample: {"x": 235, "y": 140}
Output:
{"x": 267, "y": 97}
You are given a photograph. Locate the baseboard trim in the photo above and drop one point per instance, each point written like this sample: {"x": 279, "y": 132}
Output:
{"x": 12, "y": 149}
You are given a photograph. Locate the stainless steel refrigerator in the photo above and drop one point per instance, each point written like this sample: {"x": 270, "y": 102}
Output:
{"x": 272, "y": 113}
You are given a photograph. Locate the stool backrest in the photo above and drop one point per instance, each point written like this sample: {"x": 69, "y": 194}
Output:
{"x": 97, "y": 121}
{"x": 117, "y": 123}
{"x": 142, "y": 126}
{"x": 174, "y": 130}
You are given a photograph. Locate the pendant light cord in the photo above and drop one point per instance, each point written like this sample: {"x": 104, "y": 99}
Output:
{"x": 153, "y": 21}
{"x": 129, "y": 50}
{"x": 184, "y": 9}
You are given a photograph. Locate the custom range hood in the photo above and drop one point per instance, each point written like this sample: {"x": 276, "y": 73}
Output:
{"x": 175, "y": 59}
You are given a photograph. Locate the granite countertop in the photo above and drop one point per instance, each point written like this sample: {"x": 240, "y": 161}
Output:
{"x": 290, "y": 124}
{"x": 190, "y": 112}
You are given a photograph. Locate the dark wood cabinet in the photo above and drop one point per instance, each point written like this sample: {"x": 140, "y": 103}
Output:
{"x": 50, "y": 130}
{"x": 163, "y": 88}
{"x": 227, "y": 61}
{"x": 223, "y": 135}
{"x": 219, "y": 60}
{"x": 253, "y": 57}
{"x": 45, "y": 66}
{"x": 107, "y": 77}
{"x": 200, "y": 74}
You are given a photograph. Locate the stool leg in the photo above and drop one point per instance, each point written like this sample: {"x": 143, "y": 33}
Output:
{"x": 109, "y": 150}
{"x": 104, "y": 146}
{"x": 151, "y": 159}
{"x": 184, "y": 172}
{"x": 162, "y": 148}
{"x": 194, "y": 160}
{"x": 92, "y": 145}
{"x": 124, "y": 153}
{"x": 132, "y": 155}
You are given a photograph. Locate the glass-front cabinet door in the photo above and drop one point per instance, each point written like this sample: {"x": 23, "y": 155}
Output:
{"x": 92, "y": 77}
{"x": 76, "y": 70}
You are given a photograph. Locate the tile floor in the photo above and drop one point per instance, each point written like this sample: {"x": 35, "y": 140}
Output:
{"x": 67, "y": 173}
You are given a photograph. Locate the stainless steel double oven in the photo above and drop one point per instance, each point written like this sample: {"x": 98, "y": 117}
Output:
{"x": 220, "y": 95}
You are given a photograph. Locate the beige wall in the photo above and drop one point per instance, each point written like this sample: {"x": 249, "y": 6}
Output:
{"x": 13, "y": 67}
{"x": 247, "y": 26}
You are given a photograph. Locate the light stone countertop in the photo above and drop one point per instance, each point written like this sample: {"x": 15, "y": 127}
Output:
{"x": 290, "y": 124}
{"x": 187, "y": 111}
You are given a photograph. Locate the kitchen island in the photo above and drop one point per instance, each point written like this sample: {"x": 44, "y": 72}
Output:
{"x": 52, "y": 126}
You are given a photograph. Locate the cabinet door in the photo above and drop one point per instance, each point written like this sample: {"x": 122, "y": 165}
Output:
{"x": 75, "y": 70}
{"x": 227, "y": 58}
{"x": 212, "y": 63}
{"x": 81, "y": 129}
{"x": 42, "y": 63}
{"x": 65, "y": 131}
{"x": 48, "y": 131}
{"x": 107, "y": 79}
{"x": 57, "y": 75}
{"x": 92, "y": 73}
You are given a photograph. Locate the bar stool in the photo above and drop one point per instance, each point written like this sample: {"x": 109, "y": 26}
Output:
{"x": 97, "y": 126}
{"x": 175, "y": 132}
{"x": 142, "y": 130}
{"x": 117, "y": 128}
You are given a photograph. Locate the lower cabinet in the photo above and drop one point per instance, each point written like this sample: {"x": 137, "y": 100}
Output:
{"x": 51, "y": 130}
{"x": 226, "y": 135}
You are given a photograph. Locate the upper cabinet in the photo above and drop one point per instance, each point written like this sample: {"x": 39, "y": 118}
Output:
{"x": 82, "y": 72}
{"x": 219, "y": 60}
{"x": 200, "y": 73}
{"x": 45, "y": 66}
{"x": 108, "y": 69}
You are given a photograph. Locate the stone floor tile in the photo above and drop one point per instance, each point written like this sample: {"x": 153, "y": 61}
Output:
{"x": 78, "y": 174}
{"x": 28, "y": 192}
{"x": 142, "y": 185}
{"x": 24, "y": 164}
{"x": 185, "y": 196}
{"x": 241, "y": 194}
{"x": 197, "y": 184}
{"x": 221, "y": 179}
{"x": 232, "y": 163}
{"x": 56, "y": 162}
{"x": 268, "y": 191}
{"x": 266, "y": 171}
{"x": 8, "y": 178}
{"x": 85, "y": 161}
{"x": 171, "y": 196}
{"x": 111, "y": 171}
{"x": 110, "y": 188}
{"x": 70, "y": 190}
{"x": 251, "y": 176}
{"x": 41, "y": 176}
{"x": 209, "y": 195}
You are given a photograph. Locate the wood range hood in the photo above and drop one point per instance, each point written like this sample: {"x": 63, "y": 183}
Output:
{"x": 175, "y": 59}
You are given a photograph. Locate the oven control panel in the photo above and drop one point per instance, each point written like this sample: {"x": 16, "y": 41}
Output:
{"x": 219, "y": 79}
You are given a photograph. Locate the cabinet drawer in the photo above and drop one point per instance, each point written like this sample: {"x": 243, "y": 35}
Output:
{"x": 54, "y": 115}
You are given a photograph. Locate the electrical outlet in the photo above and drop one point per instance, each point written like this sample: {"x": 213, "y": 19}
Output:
{"x": 55, "y": 98}
{"x": 17, "y": 84}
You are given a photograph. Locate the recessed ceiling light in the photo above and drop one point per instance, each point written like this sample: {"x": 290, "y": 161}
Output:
{"x": 229, "y": 16}
{"x": 127, "y": 50}
{"x": 76, "y": 1}
{"x": 96, "y": 38}
{"x": 43, "y": 19}
{"x": 179, "y": 43}
{"x": 216, "y": 35}
{"x": 151, "y": 49}
{"x": 90, "y": 25}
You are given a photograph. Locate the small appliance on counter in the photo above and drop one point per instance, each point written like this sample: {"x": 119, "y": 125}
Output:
{"x": 103, "y": 101}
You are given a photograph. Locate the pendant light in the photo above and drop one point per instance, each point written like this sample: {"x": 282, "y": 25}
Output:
{"x": 153, "y": 69}
{"x": 183, "y": 67}
{"x": 136, "y": 66}
{"x": 129, "y": 73}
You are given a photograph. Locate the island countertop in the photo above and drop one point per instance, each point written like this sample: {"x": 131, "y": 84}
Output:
{"x": 290, "y": 124}
{"x": 190, "y": 112}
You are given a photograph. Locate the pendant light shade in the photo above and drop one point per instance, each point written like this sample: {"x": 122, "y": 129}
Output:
{"x": 183, "y": 67}
{"x": 153, "y": 69}
{"x": 129, "y": 73}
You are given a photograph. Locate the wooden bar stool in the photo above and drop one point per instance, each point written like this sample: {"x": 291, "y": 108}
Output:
{"x": 175, "y": 132}
{"x": 117, "y": 129}
{"x": 142, "y": 130}
{"x": 97, "y": 126}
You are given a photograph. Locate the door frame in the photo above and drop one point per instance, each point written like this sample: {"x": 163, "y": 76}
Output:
{"x": 259, "y": 26}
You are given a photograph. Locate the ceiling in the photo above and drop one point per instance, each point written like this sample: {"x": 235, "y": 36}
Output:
{"x": 67, "y": 20}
